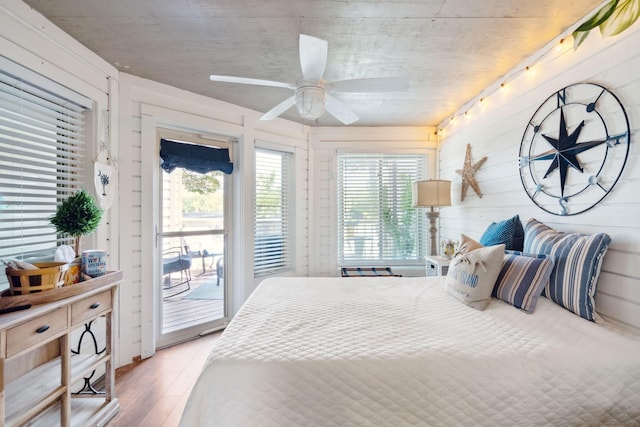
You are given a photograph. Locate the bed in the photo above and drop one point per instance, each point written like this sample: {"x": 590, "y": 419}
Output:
{"x": 402, "y": 351}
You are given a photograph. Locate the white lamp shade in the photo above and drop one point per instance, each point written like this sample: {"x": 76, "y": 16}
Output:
{"x": 431, "y": 192}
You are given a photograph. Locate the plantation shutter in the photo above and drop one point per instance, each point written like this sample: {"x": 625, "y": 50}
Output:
{"x": 273, "y": 212}
{"x": 376, "y": 223}
{"x": 41, "y": 158}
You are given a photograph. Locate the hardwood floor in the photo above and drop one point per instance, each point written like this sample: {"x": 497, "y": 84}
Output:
{"x": 153, "y": 392}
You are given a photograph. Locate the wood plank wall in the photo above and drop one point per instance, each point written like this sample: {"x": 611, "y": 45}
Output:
{"x": 495, "y": 130}
{"x": 147, "y": 106}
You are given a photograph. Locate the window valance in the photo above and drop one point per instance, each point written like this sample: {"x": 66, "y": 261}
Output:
{"x": 196, "y": 158}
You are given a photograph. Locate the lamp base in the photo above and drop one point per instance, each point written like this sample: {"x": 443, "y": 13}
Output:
{"x": 433, "y": 231}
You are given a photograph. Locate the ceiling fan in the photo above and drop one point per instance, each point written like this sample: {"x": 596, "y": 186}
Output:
{"x": 312, "y": 94}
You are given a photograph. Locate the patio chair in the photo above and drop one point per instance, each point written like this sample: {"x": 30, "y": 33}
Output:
{"x": 218, "y": 260}
{"x": 174, "y": 260}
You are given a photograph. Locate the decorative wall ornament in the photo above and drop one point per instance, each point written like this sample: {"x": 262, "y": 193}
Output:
{"x": 104, "y": 179}
{"x": 105, "y": 170}
{"x": 574, "y": 149}
{"x": 468, "y": 172}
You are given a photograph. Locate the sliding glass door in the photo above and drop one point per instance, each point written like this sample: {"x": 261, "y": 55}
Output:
{"x": 192, "y": 240}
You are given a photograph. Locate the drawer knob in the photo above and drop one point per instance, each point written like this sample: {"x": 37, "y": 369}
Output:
{"x": 94, "y": 305}
{"x": 43, "y": 328}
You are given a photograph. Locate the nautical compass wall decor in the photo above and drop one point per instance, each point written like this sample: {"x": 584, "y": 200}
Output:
{"x": 574, "y": 149}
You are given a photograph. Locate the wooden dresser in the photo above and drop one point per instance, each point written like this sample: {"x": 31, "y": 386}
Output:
{"x": 38, "y": 366}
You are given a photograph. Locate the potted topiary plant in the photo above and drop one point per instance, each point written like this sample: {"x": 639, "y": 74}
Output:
{"x": 77, "y": 216}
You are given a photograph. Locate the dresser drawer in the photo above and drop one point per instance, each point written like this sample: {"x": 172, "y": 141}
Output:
{"x": 90, "y": 307}
{"x": 36, "y": 331}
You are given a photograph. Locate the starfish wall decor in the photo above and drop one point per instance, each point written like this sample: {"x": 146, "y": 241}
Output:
{"x": 468, "y": 172}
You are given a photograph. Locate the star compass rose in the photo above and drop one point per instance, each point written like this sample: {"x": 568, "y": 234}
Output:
{"x": 562, "y": 175}
{"x": 565, "y": 150}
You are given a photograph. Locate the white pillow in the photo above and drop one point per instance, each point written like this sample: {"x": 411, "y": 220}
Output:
{"x": 472, "y": 275}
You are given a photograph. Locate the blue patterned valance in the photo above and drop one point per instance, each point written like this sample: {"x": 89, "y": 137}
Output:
{"x": 196, "y": 158}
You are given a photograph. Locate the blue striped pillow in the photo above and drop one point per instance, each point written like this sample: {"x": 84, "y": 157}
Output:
{"x": 522, "y": 279}
{"x": 578, "y": 258}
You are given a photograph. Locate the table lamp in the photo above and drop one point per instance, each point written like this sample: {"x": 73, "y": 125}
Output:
{"x": 429, "y": 194}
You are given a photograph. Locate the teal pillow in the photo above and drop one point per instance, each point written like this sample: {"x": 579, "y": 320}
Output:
{"x": 508, "y": 232}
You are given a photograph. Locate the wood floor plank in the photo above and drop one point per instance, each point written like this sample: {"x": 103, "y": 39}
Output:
{"x": 154, "y": 391}
{"x": 159, "y": 412}
{"x": 174, "y": 417}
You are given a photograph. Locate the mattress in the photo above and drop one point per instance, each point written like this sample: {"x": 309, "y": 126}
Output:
{"x": 402, "y": 352}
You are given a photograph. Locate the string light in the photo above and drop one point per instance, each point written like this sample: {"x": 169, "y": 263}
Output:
{"x": 481, "y": 100}
{"x": 529, "y": 71}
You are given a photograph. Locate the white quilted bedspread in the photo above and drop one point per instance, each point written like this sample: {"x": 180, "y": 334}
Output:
{"x": 402, "y": 352}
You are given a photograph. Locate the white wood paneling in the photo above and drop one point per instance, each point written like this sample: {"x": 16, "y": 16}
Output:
{"x": 27, "y": 38}
{"x": 152, "y": 105}
{"x": 495, "y": 130}
{"x": 46, "y": 50}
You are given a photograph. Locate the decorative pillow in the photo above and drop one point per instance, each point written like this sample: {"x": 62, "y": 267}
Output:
{"x": 509, "y": 232}
{"x": 578, "y": 258}
{"x": 522, "y": 279}
{"x": 467, "y": 244}
{"x": 473, "y": 274}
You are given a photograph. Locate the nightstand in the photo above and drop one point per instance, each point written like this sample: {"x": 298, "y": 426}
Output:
{"x": 437, "y": 265}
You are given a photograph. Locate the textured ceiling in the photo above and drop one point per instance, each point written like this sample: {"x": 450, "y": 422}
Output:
{"x": 448, "y": 49}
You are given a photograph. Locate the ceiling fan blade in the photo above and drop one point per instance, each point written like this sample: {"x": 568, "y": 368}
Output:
{"x": 279, "y": 109}
{"x": 383, "y": 84}
{"x": 340, "y": 111}
{"x": 313, "y": 57}
{"x": 247, "y": 81}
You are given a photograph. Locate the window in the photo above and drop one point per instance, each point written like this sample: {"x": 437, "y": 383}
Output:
{"x": 41, "y": 155}
{"x": 376, "y": 223}
{"x": 273, "y": 212}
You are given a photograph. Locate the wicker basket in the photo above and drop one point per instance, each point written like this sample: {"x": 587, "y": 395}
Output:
{"x": 49, "y": 275}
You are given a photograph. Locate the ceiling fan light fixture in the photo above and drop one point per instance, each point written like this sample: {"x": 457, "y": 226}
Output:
{"x": 310, "y": 102}
{"x": 313, "y": 96}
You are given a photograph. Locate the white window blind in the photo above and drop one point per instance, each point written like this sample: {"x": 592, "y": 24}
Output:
{"x": 273, "y": 212}
{"x": 376, "y": 223}
{"x": 41, "y": 160}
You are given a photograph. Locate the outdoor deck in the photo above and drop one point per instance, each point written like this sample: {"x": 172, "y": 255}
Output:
{"x": 182, "y": 310}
